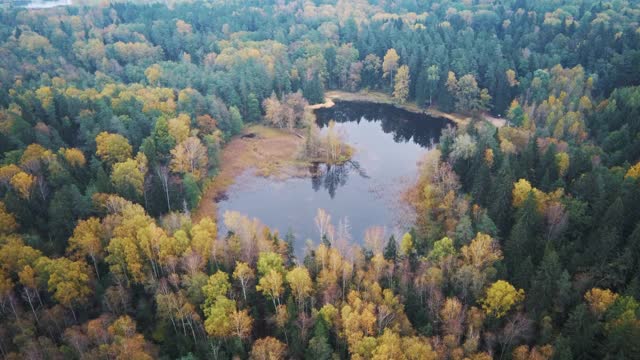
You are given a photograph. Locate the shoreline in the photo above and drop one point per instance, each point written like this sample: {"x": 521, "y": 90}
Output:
{"x": 270, "y": 152}
{"x": 274, "y": 153}
{"x": 381, "y": 98}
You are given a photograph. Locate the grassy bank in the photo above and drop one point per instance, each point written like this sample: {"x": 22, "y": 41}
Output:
{"x": 268, "y": 151}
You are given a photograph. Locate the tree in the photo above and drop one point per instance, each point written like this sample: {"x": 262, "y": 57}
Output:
{"x": 301, "y": 284}
{"x": 511, "y": 77}
{"x": 313, "y": 90}
{"x": 112, "y": 148}
{"x": 217, "y": 286}
{"x": 243, "y": 273}
{"x": 433, "y": 77}
{"x": 162, "y": 139}
{"x": 389, "y": 346}
{"x": 190, "y": 156}
{"x": 253, "y": 108}
{"x": 319, "y": 347}
{"x": 482, "y": 252}
{"x": 521, "y": 190}
{"x": 391, "y": 250}
{"x": 74, "y": 157}
{"x": 218, "y": 321}
{"x": 206, "y": 123}
{"x": 323, "y": 222}
{"x": 242, "y": 323}
{"x": 67, "y": 281}
{"x": 8, "y": 222}
{"x": 452, "y": 316}
{"x": 634, "y": 171}
{"x": 516, "y": 114}
{"x": 464, "y": 148}
{"x": 441, "y": 249}
{"x": 401, "y": 89}
{"x": 203, "y": 239}
{"x": 87, "y": 241}
{"x": 268, "y": 261}
{"x": 273, "y": 110}
{"x": 179, "y": 127}
{"x": 562, "y": 162}
{"x": 469, "y": 97}
{"x": 371, "y": 70}
{"x": 268, "y": 348}
{"x": 127, "y": 179}
{"x": 29, "y": 283}
{"x": 599, "y": 300}
{"x": 153, "y": 74}
{"x": 236, "y": 120}
{"x": 23, "y": 183}
{"x": 406, "y": 245}
{"x": 270, "y": 285}
{"x": 500, "y": 298}
{"x": 390, "y": 64}
{"x": 127, "y": 343}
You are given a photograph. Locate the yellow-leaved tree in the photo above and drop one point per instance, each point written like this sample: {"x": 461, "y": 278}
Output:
{"x": 301, "y": 284}
{"x": 500, "y": 298}
{"x": 401, "y": 88}
{"x": 87, "y": 241}
{"x": 67, "y": 281}
{"x": 23, "y": 183}
{"x": 634, "y": 171}
{"x": 390, "y": 64}
{"x": 8, "y": 222}
{"x": 600, "y": 300}
{"x": 243, "y": 273}
{"x": 112, "y": 148}
{"x": 74, "y": 157}
{"x": 190, "y": 156}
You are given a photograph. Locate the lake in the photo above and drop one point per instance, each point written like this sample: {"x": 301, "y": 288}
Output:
{"x": 363, "y": 192}
{"x": 40, "y": 4}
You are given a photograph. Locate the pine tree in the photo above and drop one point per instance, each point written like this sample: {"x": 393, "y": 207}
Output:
{"x": 313, "y": 90}
{"x": 500, "y": 195}
{"x": 253, "y": 108}
{"x": 391, "y": 250}
{"x": 523, "y": 239}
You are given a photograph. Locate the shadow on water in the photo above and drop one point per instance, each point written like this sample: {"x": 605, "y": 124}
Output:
{"x": 403, "y": 125}
{"x": 331, "y": 177}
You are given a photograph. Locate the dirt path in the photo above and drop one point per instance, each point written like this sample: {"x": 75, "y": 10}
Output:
{"x": 269, "y": 152}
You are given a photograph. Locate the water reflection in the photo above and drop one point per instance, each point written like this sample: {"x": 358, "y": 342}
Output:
{"x": 388, "y": 144}
{"x": 331, "y": 177}
{"x": 403, "y": 125}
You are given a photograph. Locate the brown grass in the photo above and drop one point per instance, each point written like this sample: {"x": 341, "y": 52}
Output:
{"x": 271, "y": 153}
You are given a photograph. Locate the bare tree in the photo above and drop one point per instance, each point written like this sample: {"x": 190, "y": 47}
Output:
{"x": 518, "y": 328}
{"x": 323, "y": 221}
{"x": 163, "y": 174}
{"x": 374, "y": 239}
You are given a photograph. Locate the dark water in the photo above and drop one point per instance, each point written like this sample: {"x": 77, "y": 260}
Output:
{"x": 39, "y": 4}
{"x": 389, "y": 142}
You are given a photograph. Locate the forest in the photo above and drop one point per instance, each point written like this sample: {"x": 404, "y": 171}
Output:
{"x": 114, "y": 117}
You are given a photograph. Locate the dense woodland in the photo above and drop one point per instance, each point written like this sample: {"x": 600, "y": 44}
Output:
{"x": 526, "y": 243}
